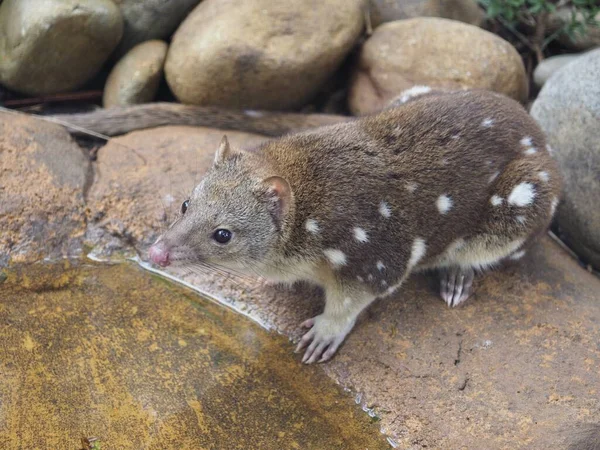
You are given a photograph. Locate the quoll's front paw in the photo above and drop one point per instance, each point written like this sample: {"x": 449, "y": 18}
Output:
{"x": 323, "y": 338}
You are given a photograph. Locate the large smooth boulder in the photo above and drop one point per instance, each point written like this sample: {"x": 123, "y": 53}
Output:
{"x": 568, "y": 110}
{"x": 136, "y": 77}
{"x": 43, "y": 179}
{"x": 151, "y": 19}
{"x": 55, "y": 46}
{"x": 260, "y": 54}
{"x": 435, "y": 52}
{"x": 467, "y": 11}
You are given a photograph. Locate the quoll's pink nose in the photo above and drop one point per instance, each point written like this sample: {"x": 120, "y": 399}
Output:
{"x": 159, "y": 254}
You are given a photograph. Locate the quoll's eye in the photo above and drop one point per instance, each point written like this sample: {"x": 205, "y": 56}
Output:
{"x": 222, "y": 236}
{"x": 184, "y": 206}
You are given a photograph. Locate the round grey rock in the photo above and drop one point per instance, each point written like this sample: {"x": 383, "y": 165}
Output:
{"x": 435, "y": 52}
{"x": 151, "y": 19}
{"x": 53, "y": 46}
{"x": 467, "y": 11}
{"x": 568, "y": 109}
{"x": 260, "y": 54}
{"x": 135, "y": 78}
{"x": 549, "y": 66}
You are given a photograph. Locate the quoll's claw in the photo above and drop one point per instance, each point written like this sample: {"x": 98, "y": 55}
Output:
{"x": 323, "y": 339}
{"x": 306, "y": 339}
{"x": 308, "y": 323}
{"x": 455, "y": 285}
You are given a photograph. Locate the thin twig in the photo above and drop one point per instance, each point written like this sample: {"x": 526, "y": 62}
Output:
{"x": 68, "y": 97}
{"x": 538, "y": 37}
{"x": 520, "y": 36}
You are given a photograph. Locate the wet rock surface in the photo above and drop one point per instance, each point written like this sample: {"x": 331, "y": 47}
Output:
{"x": 151, "y": 19}
{"x": 431, "y": 51}
{"x": 467, "y": 11}
{"x": 276, "y": 60}
{"x": 114, "y": 353}
{"x": 568, "y": 110}
{"x": 55, "y": 45}
{"x": 44, "y": 176}
{"x": 136, "y": 77}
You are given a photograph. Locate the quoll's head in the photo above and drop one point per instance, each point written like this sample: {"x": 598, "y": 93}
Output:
{"x": 233, "y": 218}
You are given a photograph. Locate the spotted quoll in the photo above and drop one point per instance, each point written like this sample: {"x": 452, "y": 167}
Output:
{"x": 456, "y": 182}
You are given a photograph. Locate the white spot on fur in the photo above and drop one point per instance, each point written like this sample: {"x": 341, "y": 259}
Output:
{"x": 311, "y": 226}
{"x": 518, "y": 255}
{"x": 380, "y": 266}
{"x": 370, "y": 277}
{"x": 383, "y": 283}
{"x": 487, "y": 123}
{"x": 493, "y": 177}
{"x": 411, "y": 187}
{"x": 384, "y": 210}
{"x": 456, "y": 136}
{"x": 549, "y": 149}
{"x": 443, "y": 203}
{"x": 522, "y": 194}
{"x": 417, "y": 252}
{"x": 543, "y": 176}
{"x": 252, "y": 113}
{"x": 526, "y": 141}
{"x": 414, "y": 91}
{"x": 359, "y": 278}
{"x": 496, "y": 200}
{"x": 360, "y": 235}
{"x": 336, "y": 257}
{"x": 521, "y": 219}
{"x": 553, "y": 205}
{"x": 530, "y": 151}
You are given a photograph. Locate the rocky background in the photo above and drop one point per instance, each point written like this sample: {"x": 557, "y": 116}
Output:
{"x": 61, "y": 197}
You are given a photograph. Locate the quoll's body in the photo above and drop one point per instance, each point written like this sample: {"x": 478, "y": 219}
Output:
{"x": 456, "y": 182}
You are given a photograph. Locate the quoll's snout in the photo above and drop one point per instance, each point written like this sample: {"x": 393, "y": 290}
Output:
{"x": 159, "y": 254}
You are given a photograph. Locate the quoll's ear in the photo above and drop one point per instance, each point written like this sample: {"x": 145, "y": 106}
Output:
{"x": 279, "y": 198}
{"x": 223, "y": 151}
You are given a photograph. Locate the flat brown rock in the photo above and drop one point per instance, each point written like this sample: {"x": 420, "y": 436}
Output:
{"x": 43, "y": 179}
{"x": 511, "y": 369}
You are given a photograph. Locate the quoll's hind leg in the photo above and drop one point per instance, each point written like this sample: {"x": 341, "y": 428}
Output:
{"x": 327, "y": 331}
{"x": 455, "y": 284}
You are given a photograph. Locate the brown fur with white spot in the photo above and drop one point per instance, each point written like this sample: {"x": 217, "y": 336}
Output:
{"x": 338, "y": 176}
